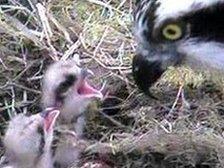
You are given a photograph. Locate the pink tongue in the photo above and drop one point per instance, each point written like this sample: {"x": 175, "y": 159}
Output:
{"x": 87, "y": 90}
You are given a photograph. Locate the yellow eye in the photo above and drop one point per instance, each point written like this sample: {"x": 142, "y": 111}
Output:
{"x": 172, "y": 32}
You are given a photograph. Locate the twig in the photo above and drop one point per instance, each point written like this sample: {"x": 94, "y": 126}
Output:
{"x": 105, "y": 5}
{"x": 114, "y": 121}
{"x": 160, "y": 142}
{"x": 71, "y": 50}
{"x": 177, "y": 98}
{"x": 47, "y": 29}
{"x": 21, "y": 28}
{"x": 25, "y": 88}
{"x": 24, "y": 100}
{"x": 60, "y": 28}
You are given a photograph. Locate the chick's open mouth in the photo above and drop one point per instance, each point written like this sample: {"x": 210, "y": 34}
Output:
{"x": 87, "y": 90}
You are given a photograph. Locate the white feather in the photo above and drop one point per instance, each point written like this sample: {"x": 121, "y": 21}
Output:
{"x": 203, "y": 54}
{"x": 176, "y": 8}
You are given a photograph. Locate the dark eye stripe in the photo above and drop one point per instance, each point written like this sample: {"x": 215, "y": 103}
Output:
{"x": 207, "y": 23}
{"x": 64, "y": 86}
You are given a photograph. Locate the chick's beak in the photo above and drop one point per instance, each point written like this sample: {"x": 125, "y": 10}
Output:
{"x": 86, "y": 72}
{"x": 49, "y": 115}
{"x": 87, "y": 90}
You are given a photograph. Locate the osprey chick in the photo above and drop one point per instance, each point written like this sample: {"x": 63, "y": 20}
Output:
{"x": 28, "y": 140}
{"x": 65, "y": 87}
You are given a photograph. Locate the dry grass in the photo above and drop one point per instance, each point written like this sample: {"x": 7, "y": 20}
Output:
{"x": 129, "y": 129}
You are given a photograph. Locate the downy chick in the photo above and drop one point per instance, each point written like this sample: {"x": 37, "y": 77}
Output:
{"x": 28, "y": 140}
{"x": 65, "y": 87}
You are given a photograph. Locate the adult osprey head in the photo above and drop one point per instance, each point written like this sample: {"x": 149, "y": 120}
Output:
{"x": 172, "y": 32}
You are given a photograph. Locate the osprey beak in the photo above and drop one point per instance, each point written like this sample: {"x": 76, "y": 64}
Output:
{"x": 146, "y": 72}
{"x": 148, "y": 69}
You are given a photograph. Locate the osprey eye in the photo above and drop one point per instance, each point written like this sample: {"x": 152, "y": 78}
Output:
{"x": 172, "y": 32}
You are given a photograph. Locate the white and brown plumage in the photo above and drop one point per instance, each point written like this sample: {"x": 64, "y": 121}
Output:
{"x": 28, "y": 140}
{"x": 65, "y": 87}
{"x": 172, "y": 33}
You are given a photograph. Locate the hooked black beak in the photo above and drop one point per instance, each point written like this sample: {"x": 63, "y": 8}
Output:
{"x": 146, "y": 72}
